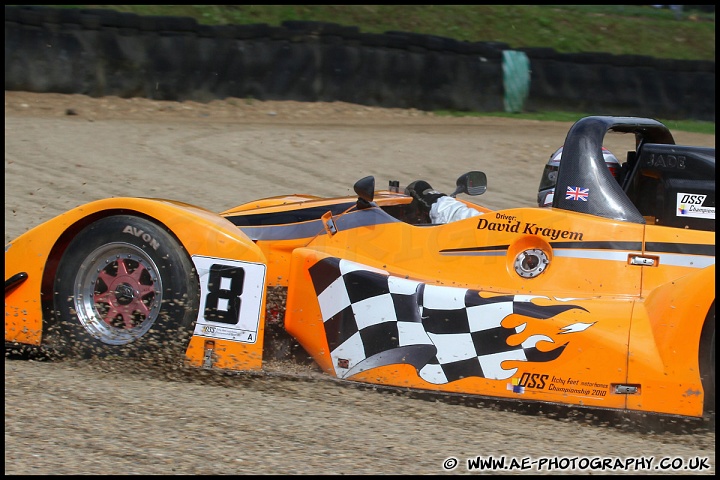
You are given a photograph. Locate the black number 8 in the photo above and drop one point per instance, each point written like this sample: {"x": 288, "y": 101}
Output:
{"x": 232, "y": 294}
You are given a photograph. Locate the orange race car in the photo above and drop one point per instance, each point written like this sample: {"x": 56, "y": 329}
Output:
{"x": 606, "y": 299}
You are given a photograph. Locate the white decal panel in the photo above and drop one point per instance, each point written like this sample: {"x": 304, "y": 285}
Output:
{"x": 231, "y": 293}
{"x": 692, "y": 205}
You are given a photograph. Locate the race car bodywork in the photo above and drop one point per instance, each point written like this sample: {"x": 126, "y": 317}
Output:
{"x": 605, "y": 300}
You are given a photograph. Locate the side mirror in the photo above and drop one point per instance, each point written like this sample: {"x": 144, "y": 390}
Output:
{"x": 365, "y": 189}
{"x": 471, "y": 183}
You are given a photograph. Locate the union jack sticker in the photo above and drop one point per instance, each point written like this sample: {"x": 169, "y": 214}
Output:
{"x": 577, "y": 193}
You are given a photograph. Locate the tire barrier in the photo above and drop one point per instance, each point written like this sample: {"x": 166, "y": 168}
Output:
{"x": 104, "y": 52}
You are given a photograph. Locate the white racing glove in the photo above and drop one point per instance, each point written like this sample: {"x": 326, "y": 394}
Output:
{"x": 447, "y": 209}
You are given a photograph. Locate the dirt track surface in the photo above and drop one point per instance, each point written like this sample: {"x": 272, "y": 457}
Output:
{"x": 98, "y": 418}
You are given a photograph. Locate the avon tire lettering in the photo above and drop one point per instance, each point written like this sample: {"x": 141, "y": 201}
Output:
{"x": 139, "y": 233}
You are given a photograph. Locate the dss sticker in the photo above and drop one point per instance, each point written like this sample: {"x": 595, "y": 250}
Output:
{"x": 693, "y": 205}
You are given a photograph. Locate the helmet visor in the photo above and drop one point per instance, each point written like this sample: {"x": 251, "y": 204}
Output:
{"x": 549, "y": 177}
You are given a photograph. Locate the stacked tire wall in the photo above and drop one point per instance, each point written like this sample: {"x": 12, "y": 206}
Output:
{"x": 103, "y": 52}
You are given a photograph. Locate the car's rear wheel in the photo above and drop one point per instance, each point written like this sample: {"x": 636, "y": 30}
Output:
{"x": 123, "y": 286}
{"x": 707, "y": 359}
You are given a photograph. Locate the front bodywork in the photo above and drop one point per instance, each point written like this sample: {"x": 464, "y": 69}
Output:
{"x": 204, "y": 235}
{"x": 601, "y": 300}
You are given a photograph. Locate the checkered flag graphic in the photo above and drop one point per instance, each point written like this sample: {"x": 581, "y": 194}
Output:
{"x": 374, "y": 319}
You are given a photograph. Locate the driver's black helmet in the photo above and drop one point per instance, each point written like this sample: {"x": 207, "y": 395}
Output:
{"x": 546, "y": 191}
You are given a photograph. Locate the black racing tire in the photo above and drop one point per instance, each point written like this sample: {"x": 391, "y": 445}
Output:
{"x": 707, "y": 360}
{"x": 124, "y": 286}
